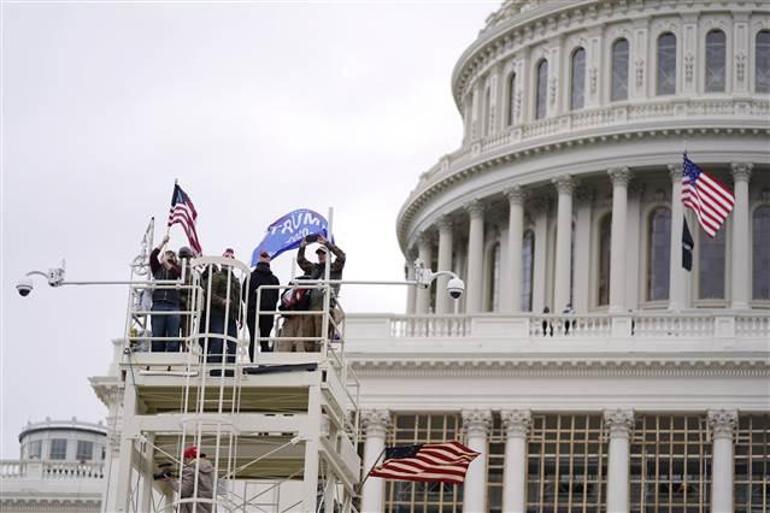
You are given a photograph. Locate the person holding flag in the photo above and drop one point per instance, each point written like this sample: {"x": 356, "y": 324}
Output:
{"x": 165, "y": 326}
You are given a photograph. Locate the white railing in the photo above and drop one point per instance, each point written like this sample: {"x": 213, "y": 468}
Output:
{"x": 722, "y": 324}
{"x": 60, "y": 470}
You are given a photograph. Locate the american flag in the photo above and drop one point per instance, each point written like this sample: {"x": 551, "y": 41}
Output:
{"x": 183, "y": 213}
{"x": 445, "y": 462}
{"x": 711, "y": 201}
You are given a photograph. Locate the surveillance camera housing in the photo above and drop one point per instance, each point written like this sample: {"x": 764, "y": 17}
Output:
{"x": 456, "y": 288}
{"x": 24, "y": 287}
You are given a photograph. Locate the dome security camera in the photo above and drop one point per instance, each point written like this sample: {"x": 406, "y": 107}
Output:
{"x": 24, "y": 287}
{"x": 456, "y": 288}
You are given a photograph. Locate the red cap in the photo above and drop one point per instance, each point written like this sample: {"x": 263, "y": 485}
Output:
{"x": 190, "y": 453}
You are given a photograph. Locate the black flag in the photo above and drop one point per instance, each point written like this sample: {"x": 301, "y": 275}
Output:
{"x": 687, "y": 245}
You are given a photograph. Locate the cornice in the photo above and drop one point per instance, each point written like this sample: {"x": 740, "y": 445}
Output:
{"x": 526, "y": 150}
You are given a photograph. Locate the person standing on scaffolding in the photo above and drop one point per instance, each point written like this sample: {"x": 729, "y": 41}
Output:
{"x": 265, "y": 300}
{"x": 316, "y": 271}
{"x": 223, "y": 309}
{"x": 165, "y": 326}
{"x": 186, "y": 484}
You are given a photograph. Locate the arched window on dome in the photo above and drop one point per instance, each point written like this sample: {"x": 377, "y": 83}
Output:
{"x": 619, "y": 80}
{"x": 527, "y": 270}
{"x": 511, "y": 99}
{"x": 577, "y": 79}
{"x": 716, "y": 55}
{"x": 761, "y": 253}
{"x": 762, "y": 62}
{"x": 487, "y": 111}
{"x": 541, "y": 99}
{"x": 666, "y": 77}
{"x": 658, "y": 254}
{"x": 605, "y": 239}
{"x": 711, "y": 265}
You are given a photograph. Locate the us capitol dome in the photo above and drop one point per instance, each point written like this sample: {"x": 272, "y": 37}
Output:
{"x": 592, "y": 372}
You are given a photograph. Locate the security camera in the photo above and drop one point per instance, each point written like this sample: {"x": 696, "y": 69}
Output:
{"x": 455, "y": 287}
{"x": 24, "y": 287}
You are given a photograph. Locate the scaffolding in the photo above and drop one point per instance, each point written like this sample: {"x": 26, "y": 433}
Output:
{"x": 279, "y": 429}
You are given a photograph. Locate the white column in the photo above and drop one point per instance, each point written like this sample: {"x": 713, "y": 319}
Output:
{"x": 425, "y": 253}
{"x": 476, "y": 424}
{"x": 620, "y": 177}
{"x": 375, "y": 423}
{"x": 722, "y": 423}
{"x": 516, "y": 424}
{"x": 581, "y": 288}
{"x": 619, "y": 423}
{"x": 475, "y": 282}
{"x": 511, "y": 293}
{"x": 411, "y": 291}
{"x": 539, "y": 279}
{"x": 561, "y": 296}
{"x": 114, "y": 429}
{"x": 445, "y": 244}
{"x": 741, "y": 249}
{"x": 677, "y": 275}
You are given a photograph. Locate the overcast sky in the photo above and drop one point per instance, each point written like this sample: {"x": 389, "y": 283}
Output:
{"x": 257, "y": 108}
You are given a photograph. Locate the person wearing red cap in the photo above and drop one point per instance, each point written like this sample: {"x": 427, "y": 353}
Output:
{"x": 186, "y": 484}
{"x": 266, "y": 300}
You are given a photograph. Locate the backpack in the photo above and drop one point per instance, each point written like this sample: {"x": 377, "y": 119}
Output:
{"x": 295, "y": 298}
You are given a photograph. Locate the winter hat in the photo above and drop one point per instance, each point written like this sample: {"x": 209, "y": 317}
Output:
{"x": 190, "y": 453}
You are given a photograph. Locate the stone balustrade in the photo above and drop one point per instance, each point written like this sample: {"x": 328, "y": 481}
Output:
{"x": 50, "y": 470}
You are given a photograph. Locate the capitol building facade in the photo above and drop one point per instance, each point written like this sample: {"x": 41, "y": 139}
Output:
{"x": 650, "y": 393}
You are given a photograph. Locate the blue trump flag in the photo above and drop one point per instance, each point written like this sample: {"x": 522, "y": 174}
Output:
{"x": 287, "y": 232}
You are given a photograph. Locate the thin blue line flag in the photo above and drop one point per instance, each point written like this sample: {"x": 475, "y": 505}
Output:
{"x": 287, "y": 232}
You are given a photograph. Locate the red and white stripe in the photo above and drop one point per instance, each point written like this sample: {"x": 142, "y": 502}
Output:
{"x": 446, "y": 462}
{"x": 711, "y": 201}
{"x": 184, "y": 214}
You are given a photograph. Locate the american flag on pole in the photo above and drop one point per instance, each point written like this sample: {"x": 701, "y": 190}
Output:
{"x": 183, "y": 213}
{"x": 445, "y": 462}
{"x": 711, "y": 201}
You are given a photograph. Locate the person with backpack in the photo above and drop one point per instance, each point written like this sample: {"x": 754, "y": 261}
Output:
{"x": 266, "y": 299}
{"x": 294, "y": 299}
{"x": 223, "y": 313}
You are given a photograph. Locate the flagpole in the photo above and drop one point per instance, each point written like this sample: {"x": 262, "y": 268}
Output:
{"x": 361, "y": 484}
{"x": 168, "y": 226}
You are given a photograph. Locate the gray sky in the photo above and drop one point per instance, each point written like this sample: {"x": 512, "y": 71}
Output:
{"x": 257, "y": 108}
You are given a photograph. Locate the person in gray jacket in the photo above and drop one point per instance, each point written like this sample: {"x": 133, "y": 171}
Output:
{"x": 186, "y": 485}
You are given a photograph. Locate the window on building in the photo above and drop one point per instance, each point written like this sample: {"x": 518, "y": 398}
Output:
{"x": 511, "y": 99}
{"x": 58, "y": 449}
{"x": 752, "y": 464}
{"x": 527, "y": 270}
{"x": 761, "y": 253}
{"x": 577, "y": 79}
{"x": 619, "y": 84}
{"x": 666, "y": 77}
{"x": 495, "y": 464}
{"x": 711, "y": 266}
{"x": 658, "y": 254}
{"x": 567, "y": 464}
{"x": 406, "y": 497}
{"x": 541, "y": 100}
{"x": 34, "y": 450}
{"x": 762, "y": 62}
{"x": 716, "y": 55}
{"x": 85, "y": 451}
{"x": 487, "y": 111}
{"x": 670, "y": 464}
{"x": 605, "y": 240}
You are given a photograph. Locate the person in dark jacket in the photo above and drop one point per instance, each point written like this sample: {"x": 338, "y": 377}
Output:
{"x": 223, "y": 313}
{"x": 265, "y": 300}
{"x": 185, "y": 295}
{"x": 316, "y": 271}
{"x": 165, "y": 299}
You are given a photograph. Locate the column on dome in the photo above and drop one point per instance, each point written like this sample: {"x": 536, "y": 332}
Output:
{"x": 620, "y": 177}
{"x": 411, "y": 291}
{"x": 476, "y": 425}
{"x": 375, "y": 424}
{"x": 539, "y": 289}
{"x": 562, "y": 293}
{"x": 594, "y": 50}
{"x": 476, "y": 112}
{"x": 633, "y": 237}
{"x": 637, "y": 62}
{"x": 677, "y": 275}
{"x": 516, "y": 424}
{"x": 425, "y": 253}
{"x": 619, "y": 423}
{"x": 741, "y": 249}
{"x": 445, "y": 245}
{"x": 475, "y": 281}
{"x": 582, "y": 288}
{"x": 510, "y": 292}
{"x": 688, "y": 74}
{"x": 741, "y": 50}
{"x": 722, "y": 424}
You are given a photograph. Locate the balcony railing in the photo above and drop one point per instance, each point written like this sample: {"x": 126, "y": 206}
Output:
{"x": 46, "y": 469}
{"x": 647, "y": 325}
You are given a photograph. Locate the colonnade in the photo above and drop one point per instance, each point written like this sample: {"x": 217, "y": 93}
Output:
{"x": 560, "y": 288}
{"x": 516, "y": 424}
